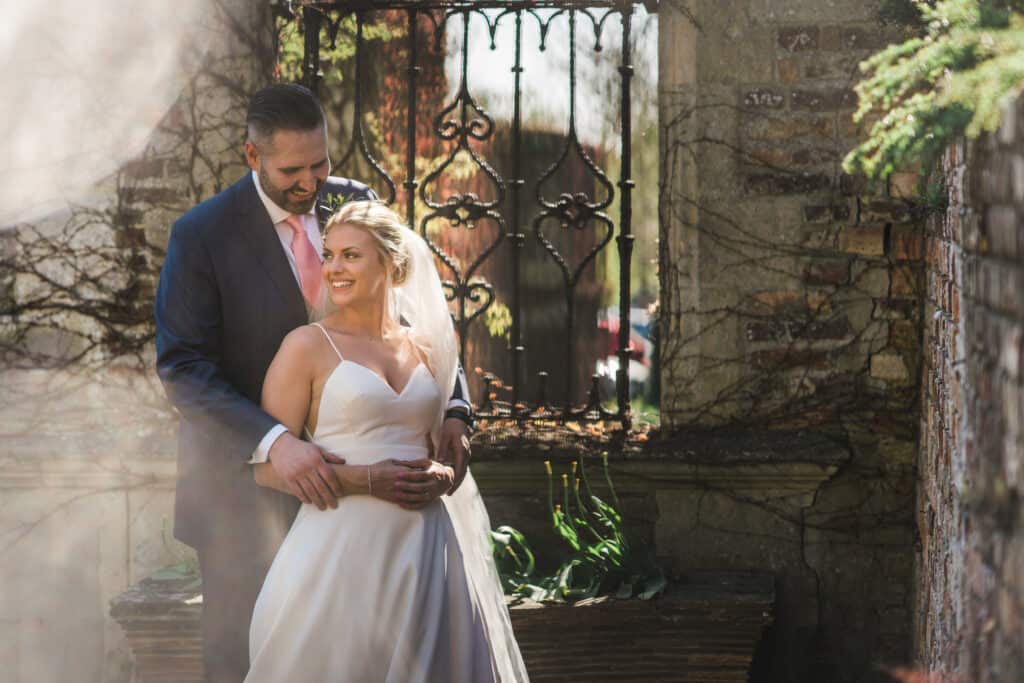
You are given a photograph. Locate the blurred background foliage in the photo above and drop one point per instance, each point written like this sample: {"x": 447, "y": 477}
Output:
{"x": 962, "y": 62}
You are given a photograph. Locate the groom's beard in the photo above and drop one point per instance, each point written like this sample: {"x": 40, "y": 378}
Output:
{"x": 285, "y": 199}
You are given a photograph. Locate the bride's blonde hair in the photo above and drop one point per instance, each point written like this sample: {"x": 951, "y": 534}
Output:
{"x": 384, "y": 226}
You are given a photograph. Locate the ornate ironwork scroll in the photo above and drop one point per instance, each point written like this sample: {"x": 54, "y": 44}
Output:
{"x": 467, "y": 133}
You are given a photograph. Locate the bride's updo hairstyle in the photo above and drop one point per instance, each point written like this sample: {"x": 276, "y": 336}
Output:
{"x": 384, "y": 226}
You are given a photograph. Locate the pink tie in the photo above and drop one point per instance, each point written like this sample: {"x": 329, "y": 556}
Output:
{"x": 306, "y": 260}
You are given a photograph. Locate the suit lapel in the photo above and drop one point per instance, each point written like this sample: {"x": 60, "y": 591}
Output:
{"x": 257, "y": 233}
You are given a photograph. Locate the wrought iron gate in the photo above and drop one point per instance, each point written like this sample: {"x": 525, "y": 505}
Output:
{"x": 465, "y": 125}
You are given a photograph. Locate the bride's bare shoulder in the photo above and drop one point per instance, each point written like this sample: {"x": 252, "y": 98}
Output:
{"x": 302, "y": 342}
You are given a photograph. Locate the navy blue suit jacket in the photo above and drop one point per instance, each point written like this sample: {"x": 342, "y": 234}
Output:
{"x": 226, "y": 299}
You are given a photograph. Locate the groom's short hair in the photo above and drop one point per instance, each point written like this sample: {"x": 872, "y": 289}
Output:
{"x": 282, "y": 106}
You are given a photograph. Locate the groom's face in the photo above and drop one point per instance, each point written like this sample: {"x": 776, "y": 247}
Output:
{"x": 292, "y": 166}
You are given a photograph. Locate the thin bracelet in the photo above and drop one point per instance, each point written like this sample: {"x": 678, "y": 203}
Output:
{"x": 369, "y": 482}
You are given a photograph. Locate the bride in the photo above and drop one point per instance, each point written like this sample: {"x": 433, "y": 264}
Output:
{"x": 396, "y": 584}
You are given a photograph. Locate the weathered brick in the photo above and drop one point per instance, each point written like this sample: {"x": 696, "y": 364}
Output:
{"x": 830, "y": 65}
{"x": 1002, "y": 228}
{"x": 1002, "y": 286}
{"x": 992, "y": 181}
{"x": 781, "y": 359}
{"x": 834, "y": 272}
{"x": 772, "y": 156}
{"x": 786, "y": 183}
{"x": 1006, "y": 132}
{"x": 796, "y": 127}
{"x": 852, "y": 185}
{"x": 890, "y": 367}
{"x": 864, "y": 240}
{"x": 885, "y": 210}
{"x": 826, "y": 213}
{"x": 128, "y": 238}
{"x": 796, "y": 39}
{"x": 834, "y": 328}
{"x": 1011, "y": 355}
{"x": 854, "y": 38}
{"x": 896, "y": 308}
{"x": 970, "y": 276}
{"x": 1012, "y": 290}
{"x": 823, "y": 99}
{"x": 765, "y": 330}
{"x": 789, "y": 303}
{"x": 829, "y": 38}
{"x": 814, "y": 156}
{"x": 904, "y": 281}
{"x": 130, "y": 216}
{"x": 764, "y": 98}
{"x": 933, "y": 255}
{"x": 787, "y": 69}
{"x": 902, "y": 335}
{"x": 1017, "y": 179}
{"x": 849, "y": 129}
{"x": 907, "y": 242}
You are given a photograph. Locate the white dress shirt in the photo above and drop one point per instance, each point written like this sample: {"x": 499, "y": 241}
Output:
{"x": 284, "y": 232}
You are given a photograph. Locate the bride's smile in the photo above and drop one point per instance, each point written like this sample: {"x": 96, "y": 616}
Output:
{"x": 353, "y": 268}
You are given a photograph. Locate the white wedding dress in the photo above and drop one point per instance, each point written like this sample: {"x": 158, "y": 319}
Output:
{"x": 370, "y": 592}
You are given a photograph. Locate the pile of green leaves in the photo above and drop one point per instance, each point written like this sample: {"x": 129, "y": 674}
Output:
{"x": 951, "y": 79}
{"x": 603, "y": 559}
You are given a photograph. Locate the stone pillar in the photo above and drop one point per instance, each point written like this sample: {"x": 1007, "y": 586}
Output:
{"x": 775, "y": 266}
{"x": 791, "y": 303}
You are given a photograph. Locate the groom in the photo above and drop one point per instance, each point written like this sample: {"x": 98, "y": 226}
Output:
{"x": 242, "y": 270}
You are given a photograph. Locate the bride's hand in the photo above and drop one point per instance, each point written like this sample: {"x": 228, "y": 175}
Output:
{"x": 384, "y": 477}
{"x": 423, "y": 482}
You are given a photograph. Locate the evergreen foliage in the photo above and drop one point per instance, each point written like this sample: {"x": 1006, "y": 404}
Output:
{"x": 963, "y": 63}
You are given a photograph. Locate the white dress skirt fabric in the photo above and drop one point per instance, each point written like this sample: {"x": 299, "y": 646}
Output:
{"x": 370, "y": 592}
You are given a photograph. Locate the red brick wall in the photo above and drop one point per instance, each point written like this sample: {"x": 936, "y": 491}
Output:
{"x": 970, "y": 519}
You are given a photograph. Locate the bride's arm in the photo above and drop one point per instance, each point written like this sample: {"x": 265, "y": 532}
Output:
{"x": 287, "y": 396}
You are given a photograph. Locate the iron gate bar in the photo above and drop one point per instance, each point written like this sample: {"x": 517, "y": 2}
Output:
{"x": 410, "y": 155}
{"x": 625, "y": 238}
{"x": 518, "y": 238}
{"x": 465, "y": 210}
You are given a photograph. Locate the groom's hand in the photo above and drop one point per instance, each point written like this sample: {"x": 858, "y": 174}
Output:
{"x": 453, "y": 448}
{"x": 306, "y": 471}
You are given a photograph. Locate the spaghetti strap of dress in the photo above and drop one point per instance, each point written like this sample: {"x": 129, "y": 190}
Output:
{"x": 329, "y": 340}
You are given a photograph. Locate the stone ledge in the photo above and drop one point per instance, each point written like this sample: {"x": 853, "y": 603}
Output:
{"x": 710, "y": 447}
{"x": 705, "y": 627}
{"x": 758, "y": 465}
